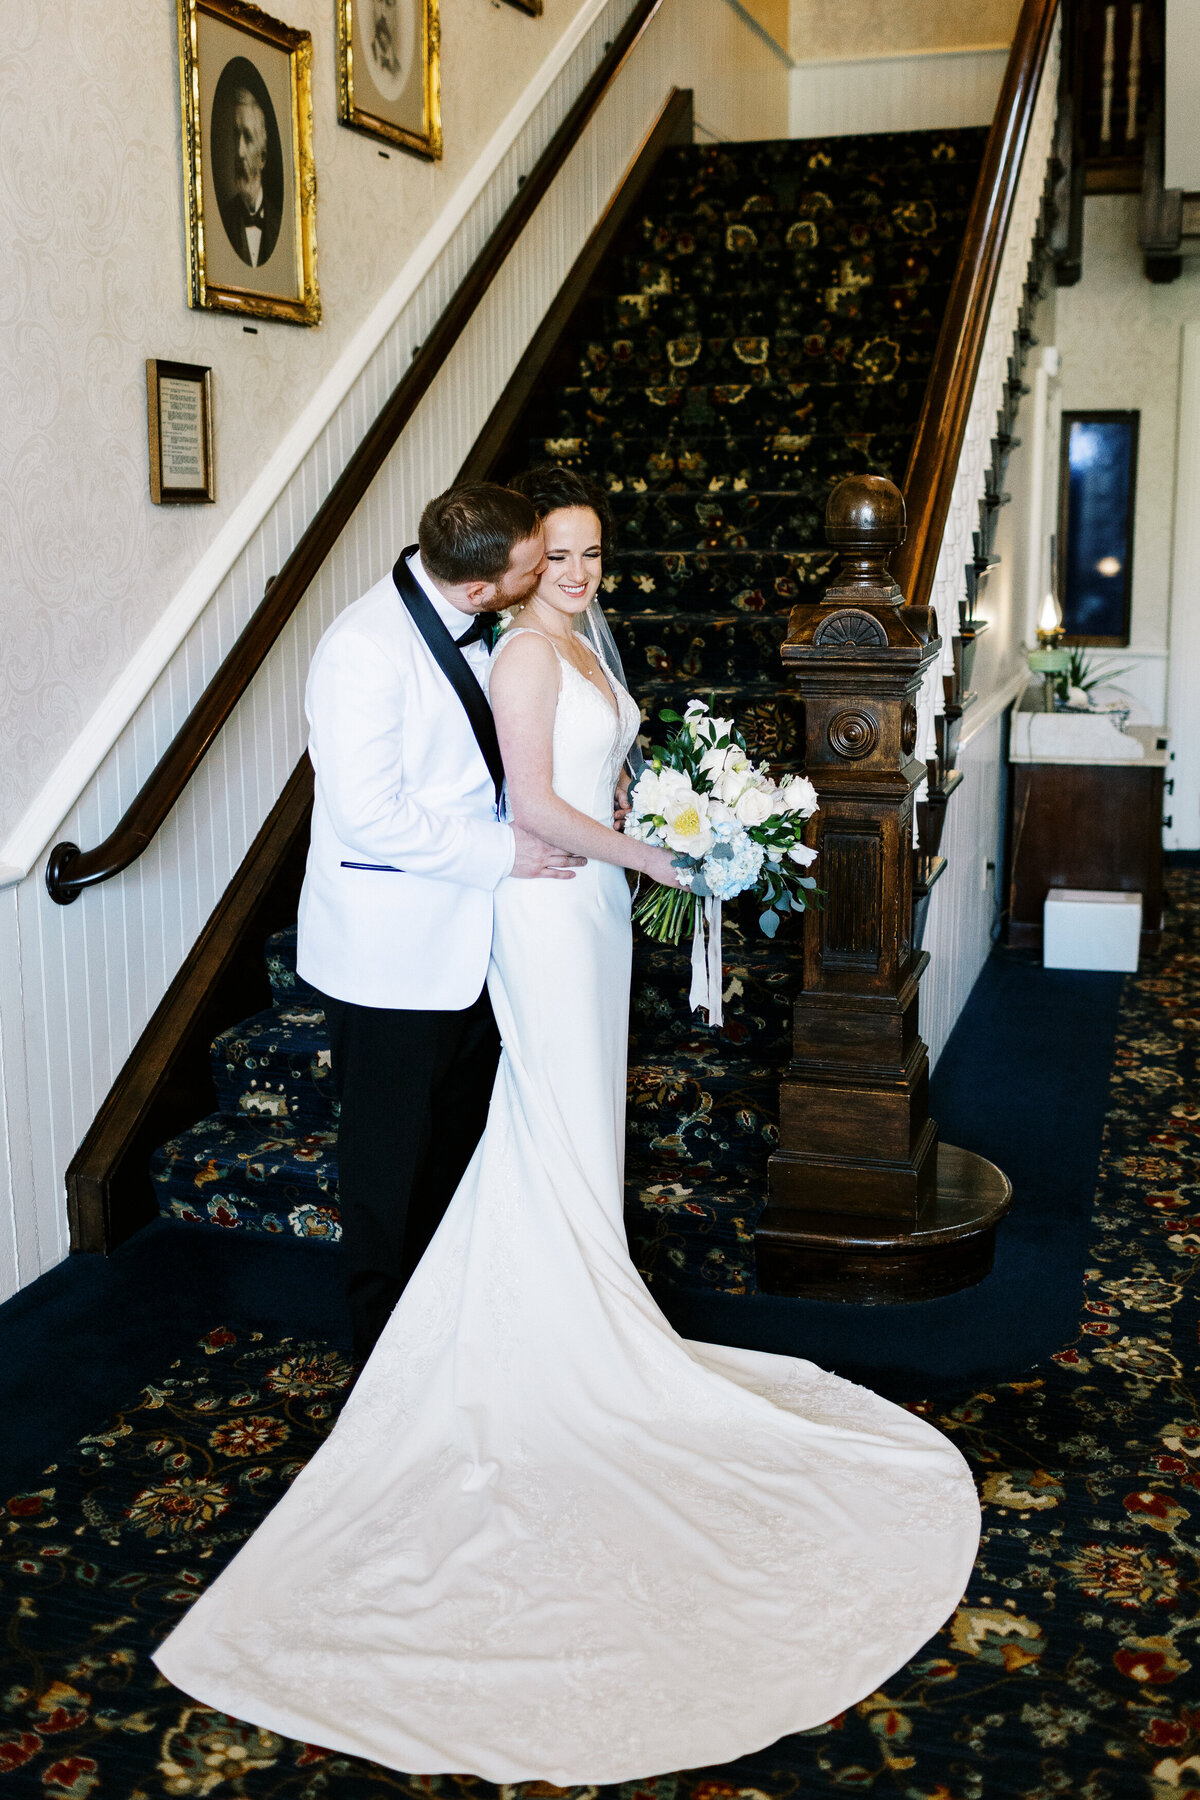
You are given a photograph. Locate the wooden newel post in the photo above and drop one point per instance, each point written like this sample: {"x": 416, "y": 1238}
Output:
{"x": 864, "y": 1203}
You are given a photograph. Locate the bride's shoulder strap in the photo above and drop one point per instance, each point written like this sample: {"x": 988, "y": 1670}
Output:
{"x": 516, "y": 631}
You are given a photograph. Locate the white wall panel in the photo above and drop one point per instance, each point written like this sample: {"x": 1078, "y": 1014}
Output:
{"x": 935, "y": 90}
{"x": 962, "y": 906}
{"x": 78, "y": 983}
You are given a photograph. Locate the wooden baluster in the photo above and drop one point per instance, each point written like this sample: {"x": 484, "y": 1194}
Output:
{"x": 864, "y": 1204}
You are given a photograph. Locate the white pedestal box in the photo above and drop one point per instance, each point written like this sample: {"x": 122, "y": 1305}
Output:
{"x": 1091, "y": 928}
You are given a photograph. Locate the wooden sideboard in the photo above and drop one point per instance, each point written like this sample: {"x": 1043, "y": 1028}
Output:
{"x": 1075, "y": 824}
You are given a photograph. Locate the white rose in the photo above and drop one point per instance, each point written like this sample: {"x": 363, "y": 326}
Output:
{"x": 753, "y": 807}
{"x": 729, "y": 761}
{"x": 718, "y": 812}
{"x": 800, "y": 853}
{"x": 645, "y": 795}
{"x": 734, "y": 779}
{"x": 695, "y": 718}
{"x": 798, "y": 795}
{"x": 688, "y": 829}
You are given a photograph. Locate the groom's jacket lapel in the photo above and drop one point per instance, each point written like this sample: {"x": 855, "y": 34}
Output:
{"x": 453, "y": 665}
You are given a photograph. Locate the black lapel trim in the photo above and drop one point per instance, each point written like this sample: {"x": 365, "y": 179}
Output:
{"x": 453, "y": 665}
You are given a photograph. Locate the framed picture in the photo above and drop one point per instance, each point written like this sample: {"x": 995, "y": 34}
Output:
{"x": 388, "y": 72}
{"x": 1097, "y": 488}
{"x": 532, "y": 7}
{"x": 245, "y": 85}
{"x": 179, "y": 420}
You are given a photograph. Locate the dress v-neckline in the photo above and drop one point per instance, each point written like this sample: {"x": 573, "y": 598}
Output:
{"x": 613, "y": 702}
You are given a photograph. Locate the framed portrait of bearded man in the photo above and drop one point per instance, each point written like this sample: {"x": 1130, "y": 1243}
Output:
{"x": 388, "y": 72}
{"x": 245, "y": 84}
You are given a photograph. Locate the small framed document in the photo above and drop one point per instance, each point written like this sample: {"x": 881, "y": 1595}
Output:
{"x": 179, "y": 417}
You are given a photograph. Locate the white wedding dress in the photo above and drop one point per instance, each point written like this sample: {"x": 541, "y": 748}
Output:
{"x": 549, "y": 1539}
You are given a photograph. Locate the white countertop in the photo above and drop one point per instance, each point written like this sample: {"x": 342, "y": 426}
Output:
{"x": 1093, "y": 738}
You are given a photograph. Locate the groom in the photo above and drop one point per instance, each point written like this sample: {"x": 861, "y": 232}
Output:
{"x": 407, "y": 849}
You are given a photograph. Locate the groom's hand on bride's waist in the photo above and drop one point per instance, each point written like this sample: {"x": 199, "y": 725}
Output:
{"x": 536, "y": 858}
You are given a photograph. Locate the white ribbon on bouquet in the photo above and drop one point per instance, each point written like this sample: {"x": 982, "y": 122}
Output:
{"x": 707, "y": 968}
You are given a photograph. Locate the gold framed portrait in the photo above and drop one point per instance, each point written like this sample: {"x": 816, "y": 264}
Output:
{"x": 389, "y": 72}
{"x": 250, "y": 189}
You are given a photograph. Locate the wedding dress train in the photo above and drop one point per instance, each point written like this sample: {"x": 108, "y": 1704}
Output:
{"x": 548, "y": 1538}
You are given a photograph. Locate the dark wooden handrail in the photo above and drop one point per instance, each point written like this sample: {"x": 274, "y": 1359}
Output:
{"x": 933, "y": 465}
{"x": 69, "y": 870}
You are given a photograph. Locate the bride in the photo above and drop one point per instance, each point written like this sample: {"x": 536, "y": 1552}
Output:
{"x": 548, "y": 1538}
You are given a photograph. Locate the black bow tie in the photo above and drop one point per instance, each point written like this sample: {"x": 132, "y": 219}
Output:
{"x": 482, "y": 630}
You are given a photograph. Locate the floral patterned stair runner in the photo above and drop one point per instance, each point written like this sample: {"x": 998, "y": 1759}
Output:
{"x": 765, "y": 327}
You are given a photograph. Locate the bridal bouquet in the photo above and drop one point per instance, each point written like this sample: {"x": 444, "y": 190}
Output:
{"x": 734, "y": 831}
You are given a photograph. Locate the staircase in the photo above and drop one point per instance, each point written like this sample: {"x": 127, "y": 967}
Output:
{"x": 765, "y": 328}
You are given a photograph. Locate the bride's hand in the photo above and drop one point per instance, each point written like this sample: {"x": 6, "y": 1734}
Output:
{"x": 661, "y": 867}
{"x": 621, "y": 806}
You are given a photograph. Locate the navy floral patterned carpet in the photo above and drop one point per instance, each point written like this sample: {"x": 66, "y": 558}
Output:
{"x": 1070, "y": 1669}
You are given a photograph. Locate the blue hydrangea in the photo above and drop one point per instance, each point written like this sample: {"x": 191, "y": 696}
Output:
{"x": 734, "y": 862}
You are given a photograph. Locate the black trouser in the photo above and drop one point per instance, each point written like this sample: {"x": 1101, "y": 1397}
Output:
{"x": 414, "y": 1090}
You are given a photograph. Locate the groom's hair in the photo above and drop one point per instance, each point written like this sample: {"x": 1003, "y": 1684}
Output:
{"x": 469, "y": 533}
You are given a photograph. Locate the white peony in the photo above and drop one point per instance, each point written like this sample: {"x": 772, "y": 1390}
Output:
{"x": 800, "y": 853}
{"x": 753, "y": 806}
{"x": 688, "y": 829}
{"x": 654, "y": 789}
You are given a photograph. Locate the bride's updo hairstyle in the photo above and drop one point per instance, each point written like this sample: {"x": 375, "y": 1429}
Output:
{"x": 549, "y": 488}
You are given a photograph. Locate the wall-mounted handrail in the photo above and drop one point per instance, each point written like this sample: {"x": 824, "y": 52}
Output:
{"x": 69, "y": 869}
{"x": 937, "y": 446}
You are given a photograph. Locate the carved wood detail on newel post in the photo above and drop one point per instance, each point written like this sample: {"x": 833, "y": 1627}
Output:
{"x": 864, "y": 1203}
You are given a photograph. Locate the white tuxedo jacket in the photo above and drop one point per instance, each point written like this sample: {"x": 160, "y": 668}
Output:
{"x": 406, "y": 850}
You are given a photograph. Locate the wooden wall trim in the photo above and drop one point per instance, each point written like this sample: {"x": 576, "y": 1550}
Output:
{"x": 929, "y": 481}
{"x": 69, "y": 869}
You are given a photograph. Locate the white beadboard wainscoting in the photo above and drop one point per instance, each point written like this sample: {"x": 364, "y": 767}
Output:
{"x": 922, "y": 90}
{"x": 963, "y": 903}
{"x": 79, "y": 983}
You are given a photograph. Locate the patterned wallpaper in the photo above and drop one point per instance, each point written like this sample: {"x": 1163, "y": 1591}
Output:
{"x": 857, "y": 28}
{"x": 94, "y": 281}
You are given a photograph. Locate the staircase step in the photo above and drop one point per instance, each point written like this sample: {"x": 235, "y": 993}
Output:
{"x": 683, "y": 581}
{"x": 732, "y": 461}
{"x": 686, "y": 307}
{"x": 274, "y": 1067}
{"x": 232, "y": 1173}
{"x": 758, "y": 520}
{"x": 709, "y": 1112}
{"x": 764, "y": 169}
{"x": 287, "y": 987}
{"x": 861, "y": 212}
{"x": 700, "y": 648}
{"x": 889, "y": 394}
